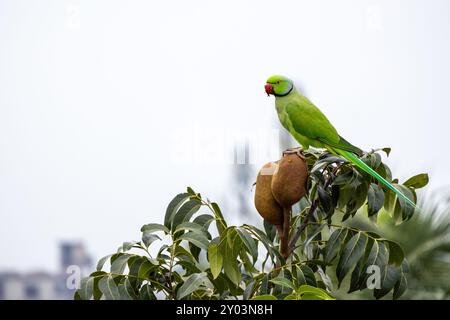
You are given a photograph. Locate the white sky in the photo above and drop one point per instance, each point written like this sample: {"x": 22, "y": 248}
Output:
{"x": 93, "y": 92}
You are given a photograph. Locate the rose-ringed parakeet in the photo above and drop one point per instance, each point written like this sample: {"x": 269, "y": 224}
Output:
{"x": 309, "y": 126}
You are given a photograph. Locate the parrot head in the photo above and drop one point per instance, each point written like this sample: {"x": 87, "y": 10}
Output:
{"x": 279, "y": 86}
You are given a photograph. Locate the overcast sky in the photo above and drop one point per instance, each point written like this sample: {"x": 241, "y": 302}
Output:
{"x": 94, "y": 96}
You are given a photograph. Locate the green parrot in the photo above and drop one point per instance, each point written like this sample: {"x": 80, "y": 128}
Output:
{"x": 309, "y": 126}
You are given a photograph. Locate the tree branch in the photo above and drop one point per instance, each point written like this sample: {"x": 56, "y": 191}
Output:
{"x": 302, "y": 226}
{"x": 308, "y": 216}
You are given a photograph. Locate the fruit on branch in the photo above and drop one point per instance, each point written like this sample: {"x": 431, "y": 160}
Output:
{"x": 265, "y": 203}
{"x": 288, "y": 187}
{"x": 278, "y": 186}
{"x": 289, "y": 180}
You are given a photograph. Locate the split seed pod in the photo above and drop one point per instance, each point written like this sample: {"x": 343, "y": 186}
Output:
{"x": 265, "y": 203}
{"x": 289, "y": 180}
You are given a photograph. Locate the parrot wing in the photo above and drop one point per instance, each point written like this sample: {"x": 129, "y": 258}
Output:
{"x": 310, "y": 122}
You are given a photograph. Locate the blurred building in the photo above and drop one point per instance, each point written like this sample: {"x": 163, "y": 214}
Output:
{"x": 46, "y": 285}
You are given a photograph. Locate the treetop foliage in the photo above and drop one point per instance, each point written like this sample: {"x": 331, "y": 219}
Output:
{"x": 195, "y": 254}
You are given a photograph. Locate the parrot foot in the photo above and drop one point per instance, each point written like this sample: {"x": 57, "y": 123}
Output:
{"x": 298, "y": 151}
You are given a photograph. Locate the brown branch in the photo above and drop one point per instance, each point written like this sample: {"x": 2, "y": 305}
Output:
{"x": 302, "y": 227}
{"x": 304, "y": 223}
{"x": 284, "y": 234}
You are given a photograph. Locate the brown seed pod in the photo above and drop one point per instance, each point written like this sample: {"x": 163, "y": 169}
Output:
{"x": 289, "y": 180}
{"x": 265, "y": 203}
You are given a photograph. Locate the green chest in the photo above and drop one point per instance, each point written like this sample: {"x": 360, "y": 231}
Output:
{"x": 280, "y": 106}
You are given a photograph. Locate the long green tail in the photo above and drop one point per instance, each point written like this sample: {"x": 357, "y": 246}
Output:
{"x": 357, "y": 161}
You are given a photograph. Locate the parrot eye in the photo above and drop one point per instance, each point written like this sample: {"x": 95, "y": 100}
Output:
{"x": 278, "y": 82}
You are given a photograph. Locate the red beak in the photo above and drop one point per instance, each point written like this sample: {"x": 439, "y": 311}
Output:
{"x": 269, "y": 89}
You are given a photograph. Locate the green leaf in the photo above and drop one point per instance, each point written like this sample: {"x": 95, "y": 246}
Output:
{"x": 265, "y": 297}
{"x": 191, "y": 226}
{"x": 357, "y": 275}
{"x": 191, "y": 191}
{"x": 154, "y": 227}
{"x": 334, "y": 243}
{"x": 262, "y": 237}
{"x": 249, "y": 243}
{"x": 146, "y": 292}
{"x": 352, "y": 252}
{"x": 406, "y": 208}
{"x": 283, "y": 282}
{"x": 396, "y": 254}
{"x": 391, "y": 276}
{"x": 173, "y": 207}
{"x": 345, "y": 193}
{"x": 134, "y": 263}
{"x": 389, "y": 198}
{"x": 97, "y": 275}
{"x": 324, "y": 199}
{"x": 359, "y": 272}
{"x": 197, "y": 239}
{"x": 204, "y": 220}
{"x": 343, "y": 179}
{"x": 373, "y": 160}
{"x": 220, "y": 221}
{"x": 231, "y": 269}
{"x": 378, "y": 257}
{"x": 384, "y": 171}
{"x": 188, "y": 266}
{"x": 230, "y": 250}
{"x": 270, "y": 230}
{"x": 148, "y": 238}
{"x": 183, "y": 254}
{"x": 313, "y": 231}
{"x": 144, "y": 269}
{"x": 400, "y": 287}
{"x": 264, "y": 287}
{"x": 215, "y": 259}
{"x": 86, "y": 288}
{"x": 119, "y": 263}
{"x": 318, "y": 166}
{"x": 358, "y": 198}
{"x": 307, "y": 292}
{"x": 329, "y": 158}
{"x": 248, "y": 292}
{"x": 225, "y": 287}
{"x": 102, "y": 261}
{"x": 375, "y": 199}
{"x": 185, "y": 212}
{"x": 195, "y": 251}
{"x": 161, "y": 251}
{"x": 126, "y": 290}
{"x": 402, "y": 283}
{"x": 193, "y": 283}
{"x": 325, "y": 278}
{"x": 283, "y": 289}
{"x": 126, "y": 246}
{"x": 418, "y": 181}
{"x": 109, "y": 288}
{"x": 305, "y": 276}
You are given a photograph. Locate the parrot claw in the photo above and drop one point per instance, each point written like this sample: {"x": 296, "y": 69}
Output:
{"x": 297, "y": 151}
